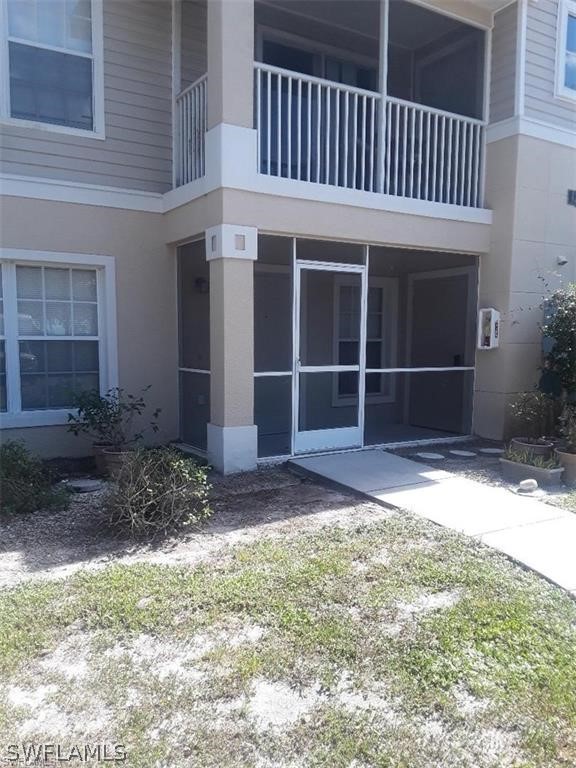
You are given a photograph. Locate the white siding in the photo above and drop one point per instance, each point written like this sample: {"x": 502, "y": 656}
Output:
{"x": 504, "y": 41}
{"x": 193, "y": 47}
{"x": 541, "y": 104}
{"x": 137, "y": 151}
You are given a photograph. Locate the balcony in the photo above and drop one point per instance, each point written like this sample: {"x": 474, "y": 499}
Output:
{"x": 394, "y": 106}
{"x": 328, "y": 133}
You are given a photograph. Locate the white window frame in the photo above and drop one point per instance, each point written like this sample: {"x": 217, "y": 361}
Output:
{"x": 108, "y": 354}
{"x": 97, "y": 57}
{"x": 565, "y": 8}
{"x": 390, "y": 294}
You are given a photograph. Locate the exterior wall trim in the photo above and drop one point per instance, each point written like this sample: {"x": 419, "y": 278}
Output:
{"x": 520, "y": 84}
{"x": 13, "y": 185}
{"x": 527, "y": 126}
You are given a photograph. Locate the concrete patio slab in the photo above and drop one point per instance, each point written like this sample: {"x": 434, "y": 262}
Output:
{"x": 539, "y": 535}
{"x": 364, "y": 470}
{"x": 547, "y": 547}
{"x": 469, "y": 507}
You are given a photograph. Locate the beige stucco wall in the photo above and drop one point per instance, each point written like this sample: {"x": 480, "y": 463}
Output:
{"x": 232, "y": 342}
{"x": 145, "y": 294}
{"x": 295, "y": 216}
{"x": 527, "y": 183}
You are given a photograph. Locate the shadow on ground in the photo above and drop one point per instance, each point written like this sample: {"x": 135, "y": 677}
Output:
{"x": 53, "y": 544}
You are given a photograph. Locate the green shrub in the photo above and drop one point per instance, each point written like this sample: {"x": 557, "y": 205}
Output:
{"x": 157, "y": 491}
{"x": 25, "y": 484}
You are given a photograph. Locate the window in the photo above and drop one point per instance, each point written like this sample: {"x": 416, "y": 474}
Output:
{"x": 53, "y": 340}
{"x": 380, "y": 338}
{"x": 566, "y": 50}
{"x": 53, "y": 62}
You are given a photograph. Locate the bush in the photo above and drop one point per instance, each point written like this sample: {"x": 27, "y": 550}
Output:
{"x": 25, "y": 485}
{"x": 157, "y": 491}
{"x": 535, "y": 414}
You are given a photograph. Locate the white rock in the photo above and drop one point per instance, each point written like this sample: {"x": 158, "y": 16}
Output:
{"x": 464, "y": 454}
{"x": 528, "y": 485}
{"x": 492, "y": 451}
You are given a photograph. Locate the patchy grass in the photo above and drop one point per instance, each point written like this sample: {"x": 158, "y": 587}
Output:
{"x": 393, "y": 645}
{"x": 570, "y": 501}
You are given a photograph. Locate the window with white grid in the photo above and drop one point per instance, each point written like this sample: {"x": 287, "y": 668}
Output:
{"x": 52, "y": 57}
{"x": 54, "y": 339}
{"x": 57, "y": 334}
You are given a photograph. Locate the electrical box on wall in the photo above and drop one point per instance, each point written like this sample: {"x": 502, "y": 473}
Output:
{"x": 488, "y": 328}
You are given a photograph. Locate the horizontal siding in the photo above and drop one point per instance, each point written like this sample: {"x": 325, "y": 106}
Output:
{"x": 137, "y": 150}
{"x": 193, "y": 45}
{"x": 504, "y": 40}
{"x": 541, "y": 42}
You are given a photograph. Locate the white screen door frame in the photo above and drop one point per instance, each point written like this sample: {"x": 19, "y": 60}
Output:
{"x": 331, "y": 438}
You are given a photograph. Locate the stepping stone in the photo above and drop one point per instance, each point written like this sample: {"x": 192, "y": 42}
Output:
{"x": 464, "y": 454}
{"x": 492, "y": 451}
{"x": 431, "y": 456}
{"x": 84, "y": 486}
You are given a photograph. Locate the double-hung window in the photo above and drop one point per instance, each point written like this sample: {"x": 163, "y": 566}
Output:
{"x": 54, "y": 334}
{"x": 52, "y": 64}
{"x": 566, "y": 55}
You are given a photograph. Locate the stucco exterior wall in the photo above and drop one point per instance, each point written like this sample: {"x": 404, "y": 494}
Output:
{"x": 533, "y": 229}
{"x": 146, "y": 298}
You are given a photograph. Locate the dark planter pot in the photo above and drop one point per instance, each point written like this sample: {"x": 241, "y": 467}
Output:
{"x": 542, "y": 448}
{"x": 99, "y": 459}
{"x": 114, "y": 460}
{"x": 568, "y": 461}
{"x": 514, "y": 472}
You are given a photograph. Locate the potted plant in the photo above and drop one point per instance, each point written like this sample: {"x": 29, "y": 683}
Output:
{"x": 536, "y": 414}
{"x": 109, "y": 420}
{"x": 518, "y": 465}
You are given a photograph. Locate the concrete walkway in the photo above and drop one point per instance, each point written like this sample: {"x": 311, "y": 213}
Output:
{"x": 541, "y": 536}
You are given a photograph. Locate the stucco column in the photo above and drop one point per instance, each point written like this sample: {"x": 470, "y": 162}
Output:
{"x": 230, "y": 62}
{"x": 232, "y": 435}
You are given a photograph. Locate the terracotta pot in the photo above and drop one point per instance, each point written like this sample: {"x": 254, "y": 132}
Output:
{"x": 514, "y": 472}
{"x": 568, "y": 461}
{"x": 533, "y": 447}
{"x": 114, "y": 459}
{"x": 99, "y": 459}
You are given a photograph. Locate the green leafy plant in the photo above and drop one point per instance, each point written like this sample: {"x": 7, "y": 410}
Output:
{"x": 536, "y": 414}
{"x": 559, "y": 331}
{"x": 156, "y": 491}
{"x": 532, "y": 460}
{"x": 568, "y": 428}
{"x": 25, "y": 485}
{"x": 110, "y": 418}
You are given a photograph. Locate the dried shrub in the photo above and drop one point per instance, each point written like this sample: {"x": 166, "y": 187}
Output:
{"x": 157, "y": 491}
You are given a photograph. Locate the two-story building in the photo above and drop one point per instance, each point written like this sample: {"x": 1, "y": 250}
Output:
{"x": 283, "y": 215}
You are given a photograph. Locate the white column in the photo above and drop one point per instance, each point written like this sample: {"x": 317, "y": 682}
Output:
{"x": 383, "y": 88}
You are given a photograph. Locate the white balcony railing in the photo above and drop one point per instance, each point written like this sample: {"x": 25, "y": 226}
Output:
{"x": 191, "y": 129}
{"x": 315, "y": 130}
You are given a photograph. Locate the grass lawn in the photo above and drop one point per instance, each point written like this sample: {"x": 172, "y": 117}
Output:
{"x": 396, "y": 644}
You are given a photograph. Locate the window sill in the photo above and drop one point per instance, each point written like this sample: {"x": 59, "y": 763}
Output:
{"x": 25, "y": 419}
{"x": 565, "y": 94}
{"x": 97, "y": 133}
